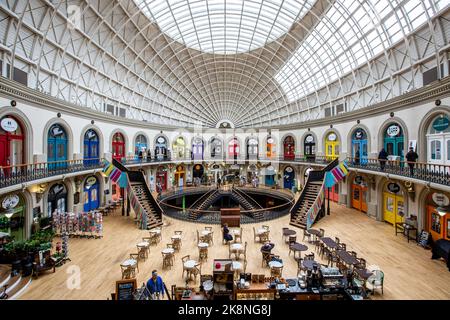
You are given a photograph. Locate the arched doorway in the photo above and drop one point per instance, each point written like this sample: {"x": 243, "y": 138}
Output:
{"x": 252, "y": 171}
{"x": 359, "y": 193}
{"x": 216, "y": 148}
{"x": 118, "y": 146}
{"x": 57, "y": 147}
{"x": 12, "y": 216}
{"x": 393, "y": 203}
{"x": 289, "y": 177}
{"x": 179, "y": 148}
{"x": 91, "y": 148}
{"x": 57, "y": 199}
{"x": 140, "y": 145}
{"x": 289, "y": 148}
{"x": 332, "y": 145}
{"x": 271, "y": 147}
{"x": 12, "y": 142}
{"x": 438, "y": 215}
{"x": 197, "y": 149}
{"x": 161, "y": 148}
{"x": 91, "y": 193}
{"x": 438, "y": 141}
{"x": 233, "y": 149}
{"x": 359, "y": 146}
{"x": 310, "y": 147}
{"x": 180, "y": 174}
{"x": 197, "y": 172}
{"x": 161, "y": 177}
{"x": 252, "y": 149}
{"x": 269, "y": 179}
{"x": 394, "y": 141}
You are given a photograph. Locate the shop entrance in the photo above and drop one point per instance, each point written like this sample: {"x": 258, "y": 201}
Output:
{"x": 393, "y": 204}
{"x": 359, "y": 194}
{"x": 91, "y": 194}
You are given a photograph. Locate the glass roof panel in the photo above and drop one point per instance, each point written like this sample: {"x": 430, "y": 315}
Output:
{"x": 266, "y": 21}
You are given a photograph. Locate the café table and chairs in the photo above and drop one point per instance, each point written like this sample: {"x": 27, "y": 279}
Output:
{"x": 287, "y": 233}
{"x": 168, "y": 255}
{"x": 276, "y": 268}
{"x": 128, "y": 268}
{"x": 176, "y": 240}
{"x": 208, "y": 235}
{"x": 203, "y": 251}
{"x": 188, "y": 266}
{"x": 237, "y": 249}
{"x": 297, "y": 247}
{"x": 237, "y": 234}
{"x": 143, "y": 249}
{"x": 310, "y": 264}
{"x": 315, "y": 234}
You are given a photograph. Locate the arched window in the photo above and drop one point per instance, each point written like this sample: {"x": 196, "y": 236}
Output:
{"x": 438, "y": 140}
{"x": 12, "y": 142}
{"x": 216, "y": 148}
{"x": 91, "y": 147}
{"x": 118, "y": 146}
{"x": 91, "y": 193}
{"x": 197, "y": 149}
{"x": 179, "y": 148}
{"x": 57, "y": 147}
{"x": 12, "y": 216}
{"x": 289, "y": 148}
{"x": 310, "y": 147}
{"x": 394, "y": 140}
{"x": 252, "y": 148}
{"x": 57, "y": 199}
{"x": 161, "y": 148}
{"x": 270, "y": 147}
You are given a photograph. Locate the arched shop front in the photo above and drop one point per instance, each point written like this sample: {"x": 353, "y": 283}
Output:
{"x": 216, "y": 171}
{"x": 289, "y": 177}
{"x": 161, "y": 177}
{"x": 269, "y": 178}
{"x": 438, "y": 141}
{"x": 252, "y": 149}
{"x": 91, "y": 148}
{"x": 309, "y": 145}
{"x": 57, "y": 147}
{"x": 252, "y": 171}
{"x": 91, "y": 193}
{"x": 359, "y": 193}
{"x": 161, "y": 148}
{"x": 332, "y": 146}
{"x": 271, "y": 147}
{"x": 394, "y": 198}
{"x": 179, "y": 148}
{"x": 118, "y": 146}
{"x": 438, "y": 215}
{"x": 289, "y": 148}
{"x": 12, "y": 142}
{"x": 180, "y": 176}
{"x": 359, "y": 146}
{"x": 198, "y": 171}
{"x": 140, "y": 144}
{"x": 198, "y": 149}
{"x": 394, "y": 141}
{"x": 12, "y": 216}
{"x": 57, "y": 199}
{"x": 216, "y": 148}
{"x": 233, "y": 148}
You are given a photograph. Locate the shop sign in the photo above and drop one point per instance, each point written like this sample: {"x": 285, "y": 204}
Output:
{"x": 359, "y": 134}
{"x": 393, "y": 187}
{"x": 91, "y": 134}
{"x": 57, "y": 189}
{"x": 10, "y": 202}
{"x": 252, "y": 142}
{"x": 216, "y": 167}
{"x": 57, "y": 131}
{"x": 161, "y": 140}
{"x": 289, "y": 169}
{"x": 198, "y": 141}
{"x": 9, "y": 124}
{"x": 91, "y": 181}
{"x": 393, "y": 130}
{"x": 310, "y": 139}
{"x": 332, "y": 137}
{"x": 359, "y": 179}
{"x": 440, "y": 199}
{"x": 270, "y": 140}
{"x": 440, "y": 124}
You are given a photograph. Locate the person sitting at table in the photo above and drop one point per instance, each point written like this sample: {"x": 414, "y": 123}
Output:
{"x": 267, "y": 247}
{"x": 226, "y": 233}
{"x": 155, "y": 286}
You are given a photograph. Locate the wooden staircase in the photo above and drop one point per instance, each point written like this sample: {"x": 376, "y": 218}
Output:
{"x": 203, "y": 203}
{"x": 15, "y": 284}
{"x": 248, "y": 203}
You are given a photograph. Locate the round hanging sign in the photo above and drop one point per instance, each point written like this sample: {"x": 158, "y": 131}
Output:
{"x": 440, "y": 124}
{"x": 358, "y": 179}
{"x": 393, "y": 187}
{"x": 440, "y": 199}
{"x": 310, "y": 139}
{"x": 161, "y": 140}
{"x": 359, "y": 134}
{"x": 289, "y": 169}
{"x": 91, "y": 181}
{"x": 332, "y": 137}
{"x": 10, "y": 202}
{"x": 252, "y": 141}
{"x": 393, "y": 130}
{"x": 270, "y": 140}
{"x": 9, "y": 124}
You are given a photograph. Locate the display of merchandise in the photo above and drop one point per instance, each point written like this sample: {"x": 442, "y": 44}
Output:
{"x": 81, "y": 224}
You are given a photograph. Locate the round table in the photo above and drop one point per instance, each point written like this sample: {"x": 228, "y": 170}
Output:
{"x": 236, "y": 247}
{"x": 168, "y": 251}
{"x": 157, "y": 231}
{"x": 261, "y": 231}
{"x": 237, "y": 267}
{"x": 129, "y": 263}
{"x": 309, "y": 264}
{"x": 203, "y": 245}
{"x": 176, "y": 236}
{"x": 206, "y": 232}
{"x": 298, "y": 247}
{"x": 190, "y": 264}
{"x": 314, "y": 232}
{"x": 143, "y": 244}
{"x": 275, "y": 264}
{"x": 289, "y": 232}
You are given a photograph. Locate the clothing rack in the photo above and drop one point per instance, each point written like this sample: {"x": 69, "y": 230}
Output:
{"x": 80, "y": 224}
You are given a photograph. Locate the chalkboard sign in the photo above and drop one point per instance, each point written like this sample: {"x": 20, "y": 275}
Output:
{"x": 125, "y": 289}
{"x": 424, "y": 239}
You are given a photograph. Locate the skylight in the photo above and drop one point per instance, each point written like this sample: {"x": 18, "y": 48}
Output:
{"x": 225, "y": 26}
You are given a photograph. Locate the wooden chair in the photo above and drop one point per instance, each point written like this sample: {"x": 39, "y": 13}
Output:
{"x": 238, "y": 236}
{"x": 309, "y": 256}
{"x": 264, "y": 237}
{"x": 135, "y": 256}
{"x": 210, "y": 238}
{"x": 333, "y": 258}
{"x": 266, "y": 258}
{"x": 342, "y": 246}
{"x": 276, "y": 272}
{"x": 362, "y": 264}
{"x": 167, "y": 260}
{"x": 337, "y": 240}
{"x": 256, "y": 237}
{"x": 142, "y": 252}
{"x": 202, "y": 253}
{"x": 176, "y": 244}
{"x": 126, "y": 272}
{"x": 321, "y": 250}
{"x": 200, "y": 238}
{"x": 322, "y": 233}
{"x": 196, "y": 271}
{"x": 353, "y": 253}
{"x": 306, "y": 235}
{"x": 183, "y": 260}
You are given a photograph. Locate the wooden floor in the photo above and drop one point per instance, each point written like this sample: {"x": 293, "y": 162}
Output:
{"x": 409, "y": 271}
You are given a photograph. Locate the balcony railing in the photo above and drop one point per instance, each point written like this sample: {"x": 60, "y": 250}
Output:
{"x": 435, "y": 173}
{"x": 12, "y": 175}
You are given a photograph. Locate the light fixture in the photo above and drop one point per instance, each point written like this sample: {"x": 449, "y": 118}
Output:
{"x": 443, "y": 210}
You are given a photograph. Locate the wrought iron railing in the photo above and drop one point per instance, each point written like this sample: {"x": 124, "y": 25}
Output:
{"x": 17, "y": 174}
{"x": 435, "y": 173}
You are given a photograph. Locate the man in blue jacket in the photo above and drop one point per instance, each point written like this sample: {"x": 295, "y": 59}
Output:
{"x": 155, "y": 286}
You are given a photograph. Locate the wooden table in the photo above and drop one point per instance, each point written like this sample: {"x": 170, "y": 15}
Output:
{"x": 297, "y": 247}
{"x": 347, "y": 257}
{"x": 330, "y": 243}
{"x": 310, "y": 264}
{"x": 314, "y": 232}
{"x": 405, "y": 229}
{"x": 287, "y": 233}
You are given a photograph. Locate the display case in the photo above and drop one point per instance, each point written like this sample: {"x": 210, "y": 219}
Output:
{"x": 223, "y": 275}
{"x": 255, "y": 292}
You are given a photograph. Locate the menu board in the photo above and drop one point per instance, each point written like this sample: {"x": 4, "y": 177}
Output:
{"x": 125, "y": 289}
{"x": 424, "y": 238}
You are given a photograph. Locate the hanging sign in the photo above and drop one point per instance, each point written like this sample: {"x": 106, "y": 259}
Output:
{"x": 393, "y": 187}
{"x": 393, "y": 130}
{"x": 289, "y": 169}
{"x": 161, "y": 140}
{"x": 91, "y": 134}
{"x": 9, "y": 124}
{"x": 252, "y": 142}
{"x": 270, "y": 140}
{"x": 440, "y": 124}
{"x": 440, "y": 199}
{"x": 359, "y": 134}
{"x": 10, "y": 202}
{"x": 310, "y": 138}
{"x": 332, "y": 137}
{"x": 91, "y": 181}
{"x": 358, "y": 179}
{"x": 57, "y": 131}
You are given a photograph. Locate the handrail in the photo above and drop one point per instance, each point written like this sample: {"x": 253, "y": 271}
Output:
{"x": 247, "y": 197}
{"x": 201, "y": 198}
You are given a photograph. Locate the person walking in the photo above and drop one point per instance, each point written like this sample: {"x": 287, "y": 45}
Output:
{"x": 155, "y": 286}
{"x": 411, "y": 158}
{"x": 219, "y": 181}
{"x": 382, "y": 158}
